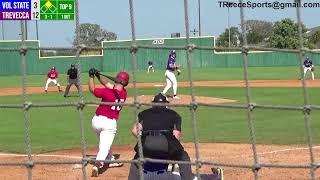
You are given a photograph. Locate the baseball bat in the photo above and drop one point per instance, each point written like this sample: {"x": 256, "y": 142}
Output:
{"x": 107, "y": 76}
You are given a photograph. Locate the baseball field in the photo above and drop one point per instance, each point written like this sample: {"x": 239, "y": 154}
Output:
{"x": 223, "y": 133}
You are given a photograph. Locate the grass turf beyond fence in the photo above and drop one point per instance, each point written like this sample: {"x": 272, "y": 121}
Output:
{"x": 204, "y": 74}
{"x": 58, "y": 128}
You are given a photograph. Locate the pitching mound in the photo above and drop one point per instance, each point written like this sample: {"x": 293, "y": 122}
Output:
{"x": 184, "y": 99}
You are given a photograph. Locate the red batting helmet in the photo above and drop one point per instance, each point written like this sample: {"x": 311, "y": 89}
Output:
{"x": 123, "y": 78}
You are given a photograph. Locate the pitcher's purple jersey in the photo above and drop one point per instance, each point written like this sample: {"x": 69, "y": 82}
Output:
{"x": 171, "y": 61}
{"x": 307, "y": 63}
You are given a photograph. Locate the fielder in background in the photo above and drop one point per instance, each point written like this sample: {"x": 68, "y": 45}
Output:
{"x": 52, "y": 76}
{"x": 104, "y": 122}
{"x": 308, "y": 66}
{"x": 72, "y": 79}
{"x": 150, "y": 66}
{"x": 160, "y": 134}
{"x": 170, "y": 76}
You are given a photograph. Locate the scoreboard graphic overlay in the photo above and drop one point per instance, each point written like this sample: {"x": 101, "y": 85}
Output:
{"x": 37, "y": 10}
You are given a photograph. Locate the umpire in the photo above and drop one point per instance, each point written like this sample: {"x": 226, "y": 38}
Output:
{"x": 72, "y": 79}
{"x": 161, "y": 131}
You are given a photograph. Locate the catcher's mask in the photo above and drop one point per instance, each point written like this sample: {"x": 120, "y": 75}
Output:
{"x": 160, "y": 98}
{"x": 122, "y": 78}
{"x": 73, "y": 66}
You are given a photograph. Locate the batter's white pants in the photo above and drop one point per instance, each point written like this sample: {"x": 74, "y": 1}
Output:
{"x": 51, "y": 80}
{"x": 171, "y": 82}
{"x": 306, "y": 69}
{"x": 106, "y": 130}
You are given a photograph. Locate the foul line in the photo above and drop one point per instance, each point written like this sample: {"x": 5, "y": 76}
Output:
{"x": 41, "y": 155}
{"x": 278, "y": 151}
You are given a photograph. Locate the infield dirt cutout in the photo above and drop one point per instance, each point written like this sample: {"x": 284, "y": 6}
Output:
{"x": 217, "y": 152}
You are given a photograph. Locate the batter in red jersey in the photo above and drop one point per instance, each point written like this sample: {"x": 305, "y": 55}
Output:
{"x": 104, "y": 122}
{"x": 52, "y": 76}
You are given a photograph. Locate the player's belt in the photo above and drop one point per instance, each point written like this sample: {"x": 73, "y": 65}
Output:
{"x": 155, "y": 133}
{"x": 158, "y": 172}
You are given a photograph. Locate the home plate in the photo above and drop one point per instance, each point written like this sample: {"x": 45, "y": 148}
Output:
{"x": 77, "y": 166}
{"x": 158, "y": 85}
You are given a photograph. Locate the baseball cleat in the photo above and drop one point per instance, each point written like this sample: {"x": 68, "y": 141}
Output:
{"x": 45, "y": 91}
{"x": 176, "y": 97}
{"x": 95, "y": 171}
{"x": 115, "y": 164}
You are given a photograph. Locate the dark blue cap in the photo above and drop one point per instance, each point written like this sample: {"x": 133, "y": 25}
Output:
{"x": 160, "y": 98}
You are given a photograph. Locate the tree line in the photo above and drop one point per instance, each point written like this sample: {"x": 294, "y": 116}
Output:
{"x": 283, "y": 34}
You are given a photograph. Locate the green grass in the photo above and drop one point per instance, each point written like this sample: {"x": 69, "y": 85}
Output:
{"x": 255, "y": 73}
{"x": 59, "y": 128}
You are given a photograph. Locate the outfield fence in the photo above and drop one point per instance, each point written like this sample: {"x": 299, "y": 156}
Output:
{"x": 255, "y": 166}
{"x": 204, "y": 55}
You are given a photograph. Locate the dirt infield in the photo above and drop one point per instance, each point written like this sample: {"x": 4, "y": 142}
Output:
{"x": 236, "y": 83}
{"x": 217, "y": 152}
{"x": 221, "y": 153}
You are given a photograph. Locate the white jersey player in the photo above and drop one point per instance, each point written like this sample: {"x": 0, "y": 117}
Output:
{"x": 170, "y": 76}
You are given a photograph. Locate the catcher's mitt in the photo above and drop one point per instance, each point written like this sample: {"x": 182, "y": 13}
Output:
{"x": 312, "y": 69}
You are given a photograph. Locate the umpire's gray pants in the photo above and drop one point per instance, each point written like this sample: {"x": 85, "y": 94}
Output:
{"x": 185, "y": 169}
{"x": 71, "y": 82}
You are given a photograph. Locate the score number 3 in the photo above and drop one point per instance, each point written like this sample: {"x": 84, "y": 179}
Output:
{"x": 117, "y": 108}
{"x": 35, "y": 14}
